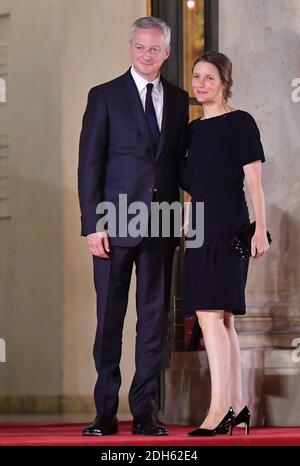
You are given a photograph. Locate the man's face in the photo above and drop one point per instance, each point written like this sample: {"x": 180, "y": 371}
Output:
{"x": 148, "y": 52}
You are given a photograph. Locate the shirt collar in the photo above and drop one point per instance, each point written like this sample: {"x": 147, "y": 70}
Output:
{"x": 141, "y": 83}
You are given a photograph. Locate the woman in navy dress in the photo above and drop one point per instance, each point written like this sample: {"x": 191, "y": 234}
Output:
{"x": 224, "y": 150}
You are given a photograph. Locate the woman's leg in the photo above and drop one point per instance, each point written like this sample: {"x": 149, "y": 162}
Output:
{"x": 218, "y": 351}
{"x": 236, "y": 392}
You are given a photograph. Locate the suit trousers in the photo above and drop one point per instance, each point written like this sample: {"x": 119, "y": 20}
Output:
{"x": 153, "y": 258}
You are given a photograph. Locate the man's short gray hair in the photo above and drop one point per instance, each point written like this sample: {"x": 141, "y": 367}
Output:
{"x": 150, "y": 22}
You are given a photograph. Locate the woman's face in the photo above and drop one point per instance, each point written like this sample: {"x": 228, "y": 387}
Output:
{"x": 207, "y": 84}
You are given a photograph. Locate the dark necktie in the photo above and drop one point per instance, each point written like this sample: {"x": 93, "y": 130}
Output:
{"x": 151, "y": 118}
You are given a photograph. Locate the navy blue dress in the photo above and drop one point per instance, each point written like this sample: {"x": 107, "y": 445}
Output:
{"x": 214, "y": 274}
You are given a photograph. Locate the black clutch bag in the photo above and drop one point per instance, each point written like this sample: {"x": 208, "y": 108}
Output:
{"x": 241, "y": 242}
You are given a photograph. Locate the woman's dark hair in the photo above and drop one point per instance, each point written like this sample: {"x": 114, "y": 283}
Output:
{"x": 224, "y": 65}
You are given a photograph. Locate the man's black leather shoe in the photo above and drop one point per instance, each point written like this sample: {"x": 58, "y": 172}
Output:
{"x": 102, "y": 427}
{"x": 147, "y": 426}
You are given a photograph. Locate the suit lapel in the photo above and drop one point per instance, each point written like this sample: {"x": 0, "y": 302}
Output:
{"x": 166, "y": 118}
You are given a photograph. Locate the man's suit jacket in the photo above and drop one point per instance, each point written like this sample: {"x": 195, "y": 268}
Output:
{"x": 116, "y": 154}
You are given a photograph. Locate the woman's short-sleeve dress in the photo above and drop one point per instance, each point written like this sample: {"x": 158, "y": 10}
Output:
{"x": 214, "y": 274}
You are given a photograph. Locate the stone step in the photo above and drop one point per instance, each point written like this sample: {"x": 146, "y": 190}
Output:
{"x": 271, "y": 379}
{"x": 276, "y": 340}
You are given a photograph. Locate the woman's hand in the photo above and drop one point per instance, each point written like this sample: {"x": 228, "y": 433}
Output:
{"x": 259, "y": 244}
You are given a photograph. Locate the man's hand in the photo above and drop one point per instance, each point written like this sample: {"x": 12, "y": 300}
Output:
{"x": 98, "y": 244}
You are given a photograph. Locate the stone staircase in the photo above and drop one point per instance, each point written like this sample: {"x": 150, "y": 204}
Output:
{"x": 270, "y": 351}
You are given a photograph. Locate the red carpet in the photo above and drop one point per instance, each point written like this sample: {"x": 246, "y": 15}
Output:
{"x": 70, "y": 435}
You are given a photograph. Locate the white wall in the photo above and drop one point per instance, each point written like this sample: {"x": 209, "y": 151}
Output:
{"x": 33, "y": 312}
{"x": 262, "y": 37}
{"x": 58, "y": 50}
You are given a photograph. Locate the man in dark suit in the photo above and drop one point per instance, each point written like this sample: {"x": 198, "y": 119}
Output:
{"x": 133, "y": 142}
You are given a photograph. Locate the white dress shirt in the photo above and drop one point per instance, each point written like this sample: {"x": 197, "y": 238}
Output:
{"x": 157, "y": 93}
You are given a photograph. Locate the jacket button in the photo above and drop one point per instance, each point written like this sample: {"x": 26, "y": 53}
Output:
{"x": 150, "y": 190}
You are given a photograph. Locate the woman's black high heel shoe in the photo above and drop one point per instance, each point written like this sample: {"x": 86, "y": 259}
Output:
{"x": 242, "y": 417}
{"x": 222, "y": 428}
